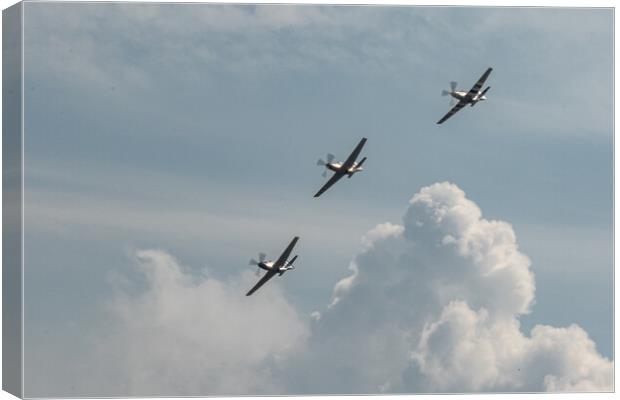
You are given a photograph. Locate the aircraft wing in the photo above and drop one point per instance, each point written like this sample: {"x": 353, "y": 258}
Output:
{"x": 476, "y": 88}
{"x": 287, "y": 252}
{"x": 262, "y": 281}
{"x": 353, "y": 156}
{"x": 335, "y": 178}
{"x": 453, "y": 111}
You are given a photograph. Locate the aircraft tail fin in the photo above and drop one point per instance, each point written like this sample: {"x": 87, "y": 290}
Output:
{"x": 290, "y": 263}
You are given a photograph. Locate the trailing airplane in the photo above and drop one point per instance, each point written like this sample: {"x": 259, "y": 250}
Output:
{"x": 464, "y": 98}
{"x": 280, "y": 266}
{"x": 349, "y": 167}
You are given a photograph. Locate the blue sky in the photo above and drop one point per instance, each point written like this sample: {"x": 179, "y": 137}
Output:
{"x": 195, "y": 129}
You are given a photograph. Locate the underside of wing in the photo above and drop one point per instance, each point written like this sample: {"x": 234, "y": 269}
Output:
{"x": 335, "y": 178}
{"x": 453, "y": 111}
{"x": 476, "y": 88}
{"x": 286, "y": 253}
{"x": 262, "y": 281}
{"x": 353, "y": 156}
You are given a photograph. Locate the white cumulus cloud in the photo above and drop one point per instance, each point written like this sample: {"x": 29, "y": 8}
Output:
{"x": 434, "y": 306}
{"x": 431, "y": 305}
{"x": 184, "y": 333}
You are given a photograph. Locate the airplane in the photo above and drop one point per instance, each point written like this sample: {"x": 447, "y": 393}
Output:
{"x": 280, "y": 266}
{"x": 464, "y": 98}
{"x": 349, "y": 167}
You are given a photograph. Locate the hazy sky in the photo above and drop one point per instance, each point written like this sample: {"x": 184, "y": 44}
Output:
{"x": 166, "y": 145}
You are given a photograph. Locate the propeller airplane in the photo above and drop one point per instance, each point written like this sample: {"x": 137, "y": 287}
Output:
{"x": 464, "y": 98}
{"x": 280, "y": 266}
{"x": 349, "y": 167}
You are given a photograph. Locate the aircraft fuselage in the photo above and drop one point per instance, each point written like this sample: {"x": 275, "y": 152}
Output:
{"x": 269, "y": 265}
{"x": 338, "y": 166}
{"x": 462, "y": 96}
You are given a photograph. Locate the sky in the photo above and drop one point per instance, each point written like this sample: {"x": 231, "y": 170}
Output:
{"x": 167, "y": 144}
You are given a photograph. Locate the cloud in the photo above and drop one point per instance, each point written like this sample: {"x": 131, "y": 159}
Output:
{"x": 482, "y": 253}
{"x": 179, "y": 333}
{"x": 129, "y": 55}
{"x": 434, "y": 306}
{"x": 189, "y": 42}
{"x": 464, "y": 350}
{"x": 431, "y": 305}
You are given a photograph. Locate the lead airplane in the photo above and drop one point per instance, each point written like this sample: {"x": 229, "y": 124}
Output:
{"x": 280, "y": 266}
{"x": 349, "y": 167}
{"x": 464, "y": 98}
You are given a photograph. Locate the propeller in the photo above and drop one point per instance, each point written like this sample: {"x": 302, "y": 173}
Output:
{"x": 261, "y": 258}
{"x": 452, "y": 89}
{"x": 330, "y": 158}
{"x": 485, "y": 90}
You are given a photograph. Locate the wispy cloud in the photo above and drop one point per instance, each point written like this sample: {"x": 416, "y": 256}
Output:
{"x": 174, "y": 51}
